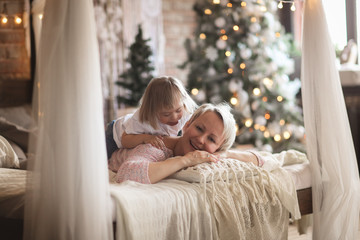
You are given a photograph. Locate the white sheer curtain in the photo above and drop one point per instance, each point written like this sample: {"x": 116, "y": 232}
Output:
{"x": 149, "y": 14}
{"x": 68, "y": 192}
{"x": 335, "y": 178}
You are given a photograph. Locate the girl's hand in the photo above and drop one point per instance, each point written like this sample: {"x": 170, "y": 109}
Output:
{"x": 196, "y": 157}
{"x": 155, "y": 141}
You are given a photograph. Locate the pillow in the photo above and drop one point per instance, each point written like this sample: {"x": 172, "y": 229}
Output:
{"x": 8, "y": 157}
{"x": 223, "y": 170}
{"x": 16, "y": 123}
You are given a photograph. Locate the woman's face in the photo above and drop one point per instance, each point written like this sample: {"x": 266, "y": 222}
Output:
{"x": 204, "y": 133}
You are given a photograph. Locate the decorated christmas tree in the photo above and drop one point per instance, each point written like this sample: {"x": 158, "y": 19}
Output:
{"x": 241, "y": 55}
{"x": 139, "y": 71}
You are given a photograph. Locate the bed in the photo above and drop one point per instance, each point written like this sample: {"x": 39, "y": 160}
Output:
{"x": 186, "y": 203}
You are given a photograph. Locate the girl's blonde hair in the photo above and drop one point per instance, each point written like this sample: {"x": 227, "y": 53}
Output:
{"x": 223, "y": 110}
{"x": 163, "y": 93}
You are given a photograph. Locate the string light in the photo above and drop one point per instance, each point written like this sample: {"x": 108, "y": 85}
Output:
{"x": 277, "y": 138}
{"x": 266, "y": 134}
{"x": 229, "y": 5}
{"x": 230, "y": 70}
{"x": 280, "y": 5}
{"x": 242, "y": 65}
{"x": 194, "y": 91}
{"x": 293, "y": 8}
{"x": 216, "y": 1}
{"x": 202, "y": 36}
{"x": 287, "y": 134}
{"x": 234, "y": 101}
{"x": 17, "y": 20}
{"x": 282, "y": 122}
{"x": 267, "y": 116}
{"x": 279, "y": 98}
{"x": 224, "y": 37}
{"x": 248, "y": 122}
{"x": 41, "y": 16}
{"x": 228, "y": 53}
{"x": 5, "y": 16}
{"x": 207, "y": 11}
{"x": 256, "y": 91}
{"x": 236, "y": 28}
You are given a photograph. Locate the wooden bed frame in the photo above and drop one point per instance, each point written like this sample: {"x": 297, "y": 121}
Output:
{"x": 305, "y": 200}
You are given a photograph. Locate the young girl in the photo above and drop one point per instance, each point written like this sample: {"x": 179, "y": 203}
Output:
{"x": 165, "y": 108}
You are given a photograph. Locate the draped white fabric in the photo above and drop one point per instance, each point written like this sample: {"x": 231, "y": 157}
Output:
{"x": 335, "y": 178}
{"x": 149, "y": 14}
{"x": 68, "y": 191}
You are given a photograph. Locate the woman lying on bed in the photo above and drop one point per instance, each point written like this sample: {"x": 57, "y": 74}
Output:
{"x": 207, "y": 136}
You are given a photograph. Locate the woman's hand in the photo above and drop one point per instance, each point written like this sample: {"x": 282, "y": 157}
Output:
{"x": 196, "y": 157}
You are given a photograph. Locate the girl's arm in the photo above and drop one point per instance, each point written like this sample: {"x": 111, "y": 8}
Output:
{"x": 132, "y": 140}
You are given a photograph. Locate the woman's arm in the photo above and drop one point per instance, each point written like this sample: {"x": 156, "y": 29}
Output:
{"x": 244, "y": 156}
{"x": 132, "y": 140}
{"x": 160, "y": 170}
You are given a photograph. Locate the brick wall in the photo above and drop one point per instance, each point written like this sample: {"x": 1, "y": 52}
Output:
{"x": 15, "y": 83}
{"x": 179, "y": 24}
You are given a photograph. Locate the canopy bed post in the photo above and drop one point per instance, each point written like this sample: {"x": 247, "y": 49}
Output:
{"x": 330, "y": 149}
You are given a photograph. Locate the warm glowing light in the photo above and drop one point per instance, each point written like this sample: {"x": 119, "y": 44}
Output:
{"x": 264, "y": 99}
{"x": 233, "y": 101}
{"x": 256, "y": 126}
{"x": 248, "y": 122}
{"x": 216, "y": 1}
{"x": 266, "y": 134}
{"x": 287, "y": 134}
{"x": 228, "y": 53}
{"x": 262, "y": 128}
{"x": 194, "y": 91}
{"x": 17, "y": 20}
{"x": 243, "y": 4}
{"x": 253, "y": 19}
{"x": 224, "y": 37}
{"x": 222, "y": 31}
{"x": 202, "y": 36}
{"x": 263, "y": 8}
{"x": 242, "y": 65}
{"x": 293, "y": 8}
{"x": 230, "y": 70}
{"x": 280, "y": 5}
{"x": 268, "y": 82}
{"x": 4, "y": 20}
{"x": 229, "y": 5}
{"x": 277, "y": 137}
{"x": 267, "y": 116}
{"x": 277, "y": 34}
{"x": 207, "y": 11}
{"x": 279, "y": 98}
{"x": 236, "y": 28}
{"x": 282, "y": 122}
{"x": 256, "y": 91}
{"x": 41, "y": 16}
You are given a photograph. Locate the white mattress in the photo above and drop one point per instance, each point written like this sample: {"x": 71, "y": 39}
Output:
{"x": 301, "y": 175}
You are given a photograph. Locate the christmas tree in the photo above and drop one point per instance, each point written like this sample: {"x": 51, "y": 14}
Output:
{"x": 241, "y": 55}
{"x": 139, "y": 71}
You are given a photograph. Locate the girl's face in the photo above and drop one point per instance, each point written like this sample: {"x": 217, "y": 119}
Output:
{"x": 204, "y": 133}
{"x": 171, "y": 116}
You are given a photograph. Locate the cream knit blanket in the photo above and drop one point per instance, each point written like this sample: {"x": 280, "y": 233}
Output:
{"x": 227, "y": 200}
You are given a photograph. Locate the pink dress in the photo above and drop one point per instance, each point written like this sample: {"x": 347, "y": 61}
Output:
{"x": 133, "y": 164}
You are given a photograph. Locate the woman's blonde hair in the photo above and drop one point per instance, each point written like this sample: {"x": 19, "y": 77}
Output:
{"x": 223, "y": 110}
{"x": 163, "y": 93}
